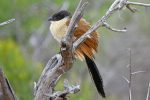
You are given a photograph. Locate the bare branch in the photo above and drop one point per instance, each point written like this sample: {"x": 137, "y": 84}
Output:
{"x": 6, "y": 90}
{"x": 71, "y": 89}
{"x": 137, "y": 4}
{"x": 67, "y": 41}
{"x": 114, "y": 7}
{"x": 148, "y": 92}
{"x": 117, "y": 5}
{"x": 130, "y": 77}
{"x": 75, "y": 19}
{"x": 113, "y": 29}
{"x": 129, "y": 81}
{"x": 48, "y": 78}
{"x": 7, "y": 22}
{"x": 137, "y": 72}
{"x": 61, "y": 95}
{"x": 61, "y": 63}
{"x": 133, "y": 10}
{"x": 130, "y": 94}
{"x": 126, "y": 79}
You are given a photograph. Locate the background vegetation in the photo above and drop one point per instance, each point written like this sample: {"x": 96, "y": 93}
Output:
{"x": 26, "y": 45}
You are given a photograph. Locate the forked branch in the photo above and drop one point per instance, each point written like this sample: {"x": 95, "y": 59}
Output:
{"x": 117, "y": 5}
{"x": 61, "y": 63}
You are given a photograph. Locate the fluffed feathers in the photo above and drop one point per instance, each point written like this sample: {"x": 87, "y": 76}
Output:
{"x": 89, "y": 46}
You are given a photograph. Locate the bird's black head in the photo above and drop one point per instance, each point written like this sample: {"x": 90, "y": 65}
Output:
{"x": 59, "y": 15}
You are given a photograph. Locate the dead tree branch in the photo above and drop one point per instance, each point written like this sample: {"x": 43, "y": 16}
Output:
{"x": 67, "y": 41}
{"x": 148, "y": 92}
{"x": 62, "y": 95}
{"x": 7, "y": 22}
{"x": 48, "y": 78}
{"x": 113, "y": 29}
{"x": 6, "y": 91}
{"x": 117, "y": 5}
{"x": 129, "y": 81}
{"x": 137, "y": 3}
{"x": 61, "y": 63}
{"x": 130, "y": 78}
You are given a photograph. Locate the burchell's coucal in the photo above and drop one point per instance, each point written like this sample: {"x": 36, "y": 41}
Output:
{"x": 86, "y": 50}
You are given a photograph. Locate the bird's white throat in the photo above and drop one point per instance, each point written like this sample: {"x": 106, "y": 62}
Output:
{"x": 59, "y": 28}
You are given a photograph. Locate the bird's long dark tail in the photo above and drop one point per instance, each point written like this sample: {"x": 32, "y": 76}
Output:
{"x": 95, "y": 75}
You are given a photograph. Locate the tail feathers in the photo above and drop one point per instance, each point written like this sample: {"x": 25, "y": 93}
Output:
{"x": 95, "y": 75}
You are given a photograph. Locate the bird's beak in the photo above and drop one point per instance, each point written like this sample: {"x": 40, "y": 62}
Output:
{"x": 50, "y": 18}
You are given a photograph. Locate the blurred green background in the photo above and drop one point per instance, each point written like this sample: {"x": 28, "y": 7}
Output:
{"x": 26, "y": 45}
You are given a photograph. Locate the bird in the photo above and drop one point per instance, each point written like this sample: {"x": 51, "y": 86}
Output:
{"x": 59, "y": 23}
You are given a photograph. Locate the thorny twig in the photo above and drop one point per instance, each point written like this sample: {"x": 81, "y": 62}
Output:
{"x": 129, "y": 81}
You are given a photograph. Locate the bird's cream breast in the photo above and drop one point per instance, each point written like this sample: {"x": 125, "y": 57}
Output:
{"x": 58, "y": 29}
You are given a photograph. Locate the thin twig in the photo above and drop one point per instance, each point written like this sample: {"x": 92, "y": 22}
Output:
{"x": 7, "y": 22}
{"x": 137, "y": 72}
{"x": 133, "y": 10}
{"x": 130, "y": 77}
{"x": 117, "y": 5}
{"x": 148, "y": 92}
{"x": 129, "y": 81}
{"x": 114, "y": 7}
{"x": 137, "y": 4}
{"x": 113, "y": 29}
{"x": 126, "y": 79}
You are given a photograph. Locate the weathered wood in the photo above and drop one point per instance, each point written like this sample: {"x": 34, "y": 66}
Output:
{"x": 6, "y": 91}
{"x": 48, "y": 78}
{"x": 61, "y": 63}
